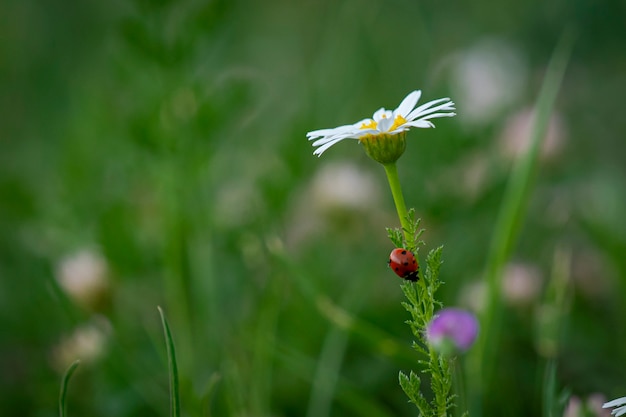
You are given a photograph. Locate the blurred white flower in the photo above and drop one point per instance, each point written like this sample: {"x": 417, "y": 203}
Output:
{"x": 337, "y": 192}
{"x": 473, "y": 295}
{"x": 238, "y": 197}
{"x": 87, "y": 343}
{"x": 486, "y": 79}
{"x": 343, "y": 186}
{"x": 237, "y": 200}
{"x": 620, "y": 403}
{"x": 515, "y": 137}
{"x": 84, "y": 277}
{"x": 474, "y": 174}
{"x": 385, "y": 122}
{"x": 592, "y": 406}
{"x": 573, "y": 408}
{"x": 521, "y": 284}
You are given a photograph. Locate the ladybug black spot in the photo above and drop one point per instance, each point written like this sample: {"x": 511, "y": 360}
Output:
{"x": 413, "y": 276}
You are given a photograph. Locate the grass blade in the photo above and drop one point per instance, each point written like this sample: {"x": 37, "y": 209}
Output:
{"x": 64, "y": 383}
{"x": 510, "y": 218}
{"x": 549, "y": 389}
{"x": 173, "y": 368}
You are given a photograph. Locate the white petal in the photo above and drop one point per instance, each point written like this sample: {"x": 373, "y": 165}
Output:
{"x": 334, "y": 138}
{"x": 616, "y": 402}
{"x": 323, "y": 148}
{"x": 435, "y": 115}
{"x": 365, "y": 132}
{"x": 619, "y": 411}
{"x": 385, "y": 124}
{"x": 408, "y": 104}
{"x": 446, "y": 106}
{"x": 323, "y": 140}
{"x": 319, "y": 133}
{"x": 328, "y": 132}
{"x": 430, "y": 107}
{"x": 364, "y": 122}
{"x": 419, "y": 123}
{"x": 381, "y": 114}
{"x": 400, "y": 129}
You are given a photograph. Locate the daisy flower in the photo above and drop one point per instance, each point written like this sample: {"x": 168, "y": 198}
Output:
{"x": 383, "y": 134}
{"x": 620, "y": 403}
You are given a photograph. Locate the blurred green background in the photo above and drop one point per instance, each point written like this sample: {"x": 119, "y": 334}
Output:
{"x": 153, "y": 152}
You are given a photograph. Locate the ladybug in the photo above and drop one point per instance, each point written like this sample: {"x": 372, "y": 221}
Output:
{"x": 404, "y": 264}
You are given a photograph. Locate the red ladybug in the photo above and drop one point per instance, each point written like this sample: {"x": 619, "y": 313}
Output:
{"x": 404, "y": 264}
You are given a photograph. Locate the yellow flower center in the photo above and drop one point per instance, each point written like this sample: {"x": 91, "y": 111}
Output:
{"x": 399, "y": 121}
{"x": 370, "y": 125}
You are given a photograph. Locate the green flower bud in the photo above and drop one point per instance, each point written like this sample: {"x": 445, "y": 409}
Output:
{"x": 384, "y": 148}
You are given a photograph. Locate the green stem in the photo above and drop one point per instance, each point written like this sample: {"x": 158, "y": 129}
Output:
{"x": 459, "y": 384}
{"x": 394, "y": 183}
{"x": 438, "y": 376}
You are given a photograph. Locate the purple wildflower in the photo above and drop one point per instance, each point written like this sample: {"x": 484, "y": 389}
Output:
{"x": 452, "y": 330}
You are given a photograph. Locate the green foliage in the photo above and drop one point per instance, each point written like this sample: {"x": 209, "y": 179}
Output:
{"x": 411, "y": 385}
{"x": 172, "y": 367}
{"x": 421, "y": 305}
{"x": 64, "y": 383}
{"x": 554, "y": 402}
{"x": 413, "y": 230}
{"x": 396, "y": 236}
